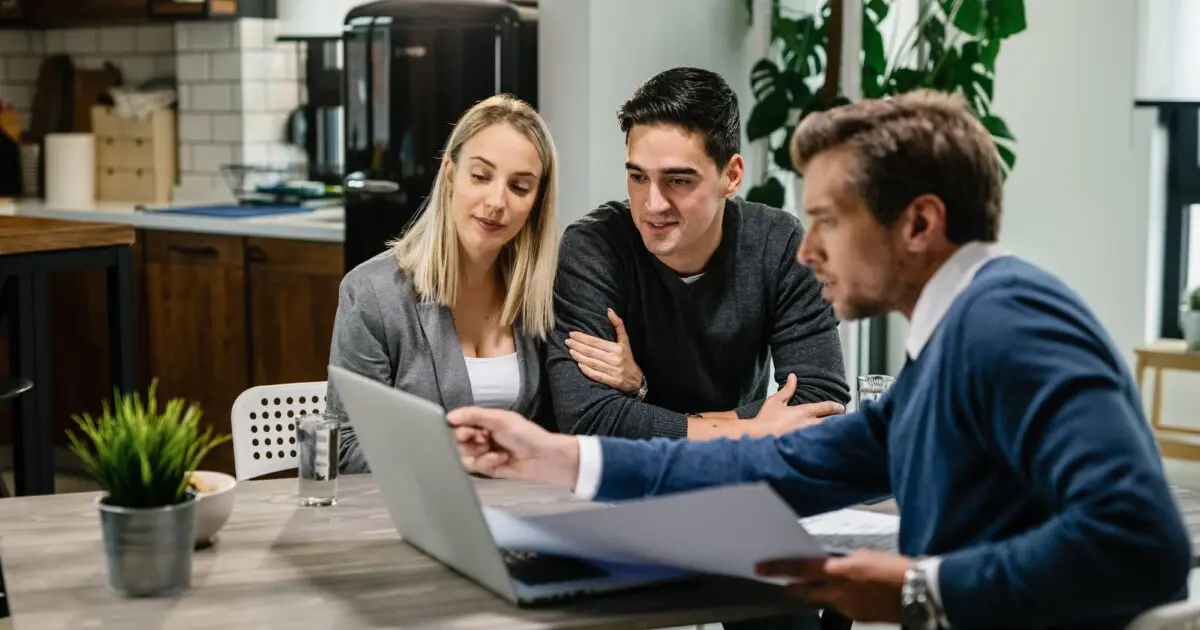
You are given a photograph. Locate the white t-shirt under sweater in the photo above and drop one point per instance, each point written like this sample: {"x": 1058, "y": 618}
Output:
{"x": 495, "y": 381}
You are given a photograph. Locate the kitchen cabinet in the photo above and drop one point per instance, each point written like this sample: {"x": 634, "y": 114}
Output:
{"x": 215, "y": 315}
{"x": 293, "y": 299}
{"x": 195, "y": 296}
{"x": 226, "y": 313}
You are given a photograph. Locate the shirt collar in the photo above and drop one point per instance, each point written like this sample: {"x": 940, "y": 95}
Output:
{"x": 951, "y": 279}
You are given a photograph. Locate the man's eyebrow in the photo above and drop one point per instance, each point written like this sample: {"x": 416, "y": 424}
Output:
{"x": 671, "y": 170}
{"x": 818, "y": 210}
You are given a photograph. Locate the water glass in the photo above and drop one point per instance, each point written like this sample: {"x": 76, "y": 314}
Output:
{"x": 872, "y": 386}
{"x": 319, "y": 438}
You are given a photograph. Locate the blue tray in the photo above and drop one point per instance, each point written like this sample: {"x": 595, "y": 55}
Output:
{"x": 233, "y": 211}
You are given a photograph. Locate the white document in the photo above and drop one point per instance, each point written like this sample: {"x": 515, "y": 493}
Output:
{"x": 725, "y": 531}
{"x": 851, "y": 522}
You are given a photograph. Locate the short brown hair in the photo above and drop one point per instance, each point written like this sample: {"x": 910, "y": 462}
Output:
{"x": 921, "y": 142}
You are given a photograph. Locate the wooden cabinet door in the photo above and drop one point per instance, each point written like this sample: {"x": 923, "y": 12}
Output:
{"x": 196, "y": 316}
{"x": 293, "y": 299}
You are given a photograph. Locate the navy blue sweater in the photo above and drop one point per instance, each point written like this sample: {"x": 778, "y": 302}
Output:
{"x": 1017, "y": 450}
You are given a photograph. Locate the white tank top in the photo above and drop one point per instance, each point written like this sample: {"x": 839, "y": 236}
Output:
{"x": 495, "y": 381}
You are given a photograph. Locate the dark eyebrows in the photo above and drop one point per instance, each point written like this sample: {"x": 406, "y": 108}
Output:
{"x": 490, "y": 164}
{"x": 674, "y": 170}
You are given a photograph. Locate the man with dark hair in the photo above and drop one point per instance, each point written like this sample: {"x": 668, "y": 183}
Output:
{"x": 1030, "y": 488}
{"x": 670, "y": 305}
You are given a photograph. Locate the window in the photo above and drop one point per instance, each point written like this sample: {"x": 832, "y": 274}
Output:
{"x": 1181, "y": 243}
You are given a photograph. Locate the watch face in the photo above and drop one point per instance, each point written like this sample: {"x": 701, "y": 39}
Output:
{"x": 917, "y": 613}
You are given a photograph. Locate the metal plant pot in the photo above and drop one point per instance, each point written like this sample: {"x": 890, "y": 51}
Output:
{"x": 149, "y": 551}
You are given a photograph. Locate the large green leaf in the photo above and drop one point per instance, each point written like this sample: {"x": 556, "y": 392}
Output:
{"x": 769, "y": 114}
{"x": 770, "y": 192}
{"x": 774, "y": 102}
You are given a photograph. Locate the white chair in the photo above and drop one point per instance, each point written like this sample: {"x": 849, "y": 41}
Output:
{"x": 264, "y": 425}
{"x": 1176, "y": 616}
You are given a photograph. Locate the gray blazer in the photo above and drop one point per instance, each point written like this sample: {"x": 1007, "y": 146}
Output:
{"x": 384, "y": 330}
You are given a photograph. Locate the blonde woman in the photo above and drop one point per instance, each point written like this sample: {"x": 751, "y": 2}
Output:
{"x": 457, "y": 310}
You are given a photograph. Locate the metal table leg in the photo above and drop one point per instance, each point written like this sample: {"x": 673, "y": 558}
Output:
{"x": 33, "y": 448}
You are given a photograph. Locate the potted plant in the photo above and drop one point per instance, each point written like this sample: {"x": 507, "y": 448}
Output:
{"x": 1189, "y": 318}
{"x": 143, "y": 457}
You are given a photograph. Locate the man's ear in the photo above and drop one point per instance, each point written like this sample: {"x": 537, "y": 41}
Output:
{"x": 735, "y": 171}
{"x": 927, "y": 220}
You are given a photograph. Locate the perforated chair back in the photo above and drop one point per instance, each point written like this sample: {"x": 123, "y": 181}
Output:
{"x": 264, "y": 425}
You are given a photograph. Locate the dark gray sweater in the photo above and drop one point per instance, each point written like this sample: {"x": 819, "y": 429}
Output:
{"x": 704, "y": 345}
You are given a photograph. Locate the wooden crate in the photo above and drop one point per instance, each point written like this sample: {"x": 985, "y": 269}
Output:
{"x": 135, "y": 158}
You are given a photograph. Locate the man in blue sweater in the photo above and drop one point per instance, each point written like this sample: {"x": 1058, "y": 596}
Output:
{"x": 1030, "y": 489}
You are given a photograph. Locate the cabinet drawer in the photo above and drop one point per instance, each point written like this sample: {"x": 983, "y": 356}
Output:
{"x": 125, "y": 153}
{"x": 187, "y": 248}
{"x": 125, "y": 184}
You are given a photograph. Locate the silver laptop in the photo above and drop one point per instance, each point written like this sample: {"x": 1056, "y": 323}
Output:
{"x": 431, "y": 499}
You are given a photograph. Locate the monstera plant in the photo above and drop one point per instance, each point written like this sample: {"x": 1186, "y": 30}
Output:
{"x": 952, "y": 46}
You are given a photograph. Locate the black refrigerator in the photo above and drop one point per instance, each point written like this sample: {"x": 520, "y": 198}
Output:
{"x": 411, "y": 68}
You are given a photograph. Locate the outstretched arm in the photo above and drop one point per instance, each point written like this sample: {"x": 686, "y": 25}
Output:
{"x": 1064, "y": 418}
{"x": 838, "y": 463}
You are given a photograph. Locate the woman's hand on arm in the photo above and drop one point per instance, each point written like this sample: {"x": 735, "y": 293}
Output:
{"x": 607, "y": 362}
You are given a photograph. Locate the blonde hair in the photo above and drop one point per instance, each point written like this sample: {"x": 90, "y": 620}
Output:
{"x": 429, "y": 251}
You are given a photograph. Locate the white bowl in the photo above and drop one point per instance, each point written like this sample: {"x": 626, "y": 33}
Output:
{"x": 214, "y": 506}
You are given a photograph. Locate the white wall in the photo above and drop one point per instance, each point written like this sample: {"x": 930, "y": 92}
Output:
{"x": 594, "y": 53}
{"x": 1167, "y": 63}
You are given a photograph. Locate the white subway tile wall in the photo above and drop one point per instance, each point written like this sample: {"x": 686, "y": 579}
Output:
{"x": 236, "y": 87}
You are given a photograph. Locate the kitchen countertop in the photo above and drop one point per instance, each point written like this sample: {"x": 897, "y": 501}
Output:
{"x": 323, "y": 224}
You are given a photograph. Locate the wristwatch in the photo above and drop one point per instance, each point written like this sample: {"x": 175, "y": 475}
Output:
{"x": 920, "y": 611}
{"x": 641, "y": 392}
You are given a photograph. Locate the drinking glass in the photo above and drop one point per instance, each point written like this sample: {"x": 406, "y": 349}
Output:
{"x": 319, "y": 438}
{"x": 872, "y": 386}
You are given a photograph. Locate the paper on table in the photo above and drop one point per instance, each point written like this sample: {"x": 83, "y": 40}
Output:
{"x": 851, "y": 522}
{"x": 724, "y": 531}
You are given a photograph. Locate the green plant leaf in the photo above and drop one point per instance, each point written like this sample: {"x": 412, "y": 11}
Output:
{"x": 768, "y": 115}
{"x": 782, "y": 155}
{"x": 770, "y": 192}
{"x": 874, "y": 57}
{"x": 140, "y": 456}
{"x": 1005, "y": 18}
{"x": 966, "y": 15}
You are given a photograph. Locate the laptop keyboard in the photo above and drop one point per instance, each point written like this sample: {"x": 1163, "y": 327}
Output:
{"x": 535, "y": 568}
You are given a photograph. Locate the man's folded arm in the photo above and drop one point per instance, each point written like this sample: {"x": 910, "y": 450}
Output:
{"x": 588, "y": 284}
{"x": 840, "y": 462}
{"x": 1062, "y": 418}
{"x": 804, "y": 336}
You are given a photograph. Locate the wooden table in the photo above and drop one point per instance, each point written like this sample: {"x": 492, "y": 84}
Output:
{"x": 30, "y": 248}
{"x": 1168, "y": 354}
{"x": 278, "y": 565}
